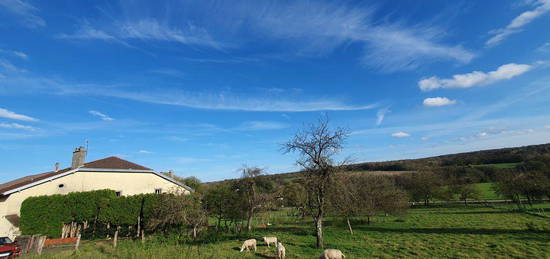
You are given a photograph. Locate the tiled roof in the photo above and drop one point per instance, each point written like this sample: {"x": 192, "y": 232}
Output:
{"x": 105, "y": 163}
{"x": 114, "y": 162}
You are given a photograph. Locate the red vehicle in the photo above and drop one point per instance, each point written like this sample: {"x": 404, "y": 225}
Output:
{"x": 8, "y": 248}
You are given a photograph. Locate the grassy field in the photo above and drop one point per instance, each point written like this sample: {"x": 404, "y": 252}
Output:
{"x": 487, "y": 192}
{"x": 445, "y": 232}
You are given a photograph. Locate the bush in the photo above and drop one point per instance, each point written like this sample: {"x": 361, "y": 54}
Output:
{"x": 46, "y": 215}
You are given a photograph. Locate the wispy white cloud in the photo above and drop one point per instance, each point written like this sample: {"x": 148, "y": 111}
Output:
{"x": 25, "y": 11}
{"x": 438, "y": 101}
{"x": 542, "y": 7}
{"x": 262, "y": 125}
{"x": 400, "y": 134}
{"x": 322, "y": 27}
{"x": 145, "y": 152}
{"x": 381, "y": 114}
{"x": 18, "y": 54}
{"x": 8, "y": 67}
{"x": 146, "y": 30}
{"x": 16, "y": 126}
{"x": 225, "y": 100}
{"x": 15, "y": 116}
{"x": 544, "y": 47}
{"x": 102, "y": 116}
{"x": 298, "y": 28}
{"x": 547, "y": 127}
{"x": 476, "y": 78}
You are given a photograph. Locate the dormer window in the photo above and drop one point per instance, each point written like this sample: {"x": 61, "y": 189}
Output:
{"x": 119, "y": 193}
{"x": 61, "y": 185}
{"x": 158, "y": 191}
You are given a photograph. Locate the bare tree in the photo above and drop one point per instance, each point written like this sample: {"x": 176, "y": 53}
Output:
{"x": 317, "y": 144}
{"x": 366, "y": 195}
{"x": 250, "y": 191}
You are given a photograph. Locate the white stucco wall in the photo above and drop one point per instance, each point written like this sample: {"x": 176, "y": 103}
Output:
{"x": 127, "y": 183}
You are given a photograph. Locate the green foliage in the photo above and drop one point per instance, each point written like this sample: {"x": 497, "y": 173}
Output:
{"x": 46, "y": 214}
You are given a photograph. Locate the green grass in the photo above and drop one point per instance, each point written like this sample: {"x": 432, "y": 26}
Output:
{"x": 487, "y": 192}
{"x": 444, "y": 232}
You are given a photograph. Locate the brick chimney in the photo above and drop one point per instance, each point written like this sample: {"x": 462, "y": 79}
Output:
{"x": 79, "y": 155}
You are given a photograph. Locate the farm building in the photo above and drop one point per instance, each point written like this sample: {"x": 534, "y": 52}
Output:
{"x": 124, "y": 177}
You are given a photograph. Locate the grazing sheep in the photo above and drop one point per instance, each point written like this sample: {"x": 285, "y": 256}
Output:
{"x": 248, "y": 244}
{"x": 281, "y": 251}
{"x": 332, "y": 254}
{"x": 269, "y": 240}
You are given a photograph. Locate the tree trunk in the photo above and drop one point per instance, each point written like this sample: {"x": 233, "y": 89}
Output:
{"x": 249, "y": 221}
{"x": 115, "y": 238}
{"x": 368, "y": 220}
{"x": 77, "y": 242}
{"x": 194, "y": 232}
{"x": 138, "y": 231}
{"x": 319, "y": 231}
{"x": 142, "y": 236}
{"x": 349, "y": 226}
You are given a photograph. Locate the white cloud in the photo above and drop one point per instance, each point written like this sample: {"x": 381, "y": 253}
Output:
{"x": 19, "y": 54}
{"x": 225, "y": 101}
{"x": 438, "y": 101}
{"x": 301, "y": 28}
{"x": 8, "y": 67}
{"x": 482, "y": 134}
{"x": 518, "y": 22}
{"x": 475, "y": 78}
{"x": 16, "y": 126}
{"x": 25, "y": 10}
{"x": 262, "y": 125}
{"x": 145, "y": 152}
{"x": 295, "y": 101}
{"x": 146, "y": 30}
{"x": 14, "y": 116}
{"x": 547, "y": 127}
{"x": 380, "y": 115}
{"x": 400, "y": 134}
{"x": 544, "y": 47}
{"x": 318, "y": 27}
{"x": 101, "y": 115}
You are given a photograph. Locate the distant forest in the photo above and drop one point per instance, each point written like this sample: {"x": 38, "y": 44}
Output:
{"x": 482, "y": 160}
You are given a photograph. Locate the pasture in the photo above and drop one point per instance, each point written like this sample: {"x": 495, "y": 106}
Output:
{"x": 456, "y": 231}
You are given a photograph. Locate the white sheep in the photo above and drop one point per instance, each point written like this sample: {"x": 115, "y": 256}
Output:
{"x": 269, "y": 240}
{"x": 332, "y": 254}
{"x": 281, "y": 251}
{"x": 248, "y": 244}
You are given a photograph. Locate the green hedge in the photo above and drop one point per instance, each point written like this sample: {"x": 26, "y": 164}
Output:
{"x": 46, "y": 214}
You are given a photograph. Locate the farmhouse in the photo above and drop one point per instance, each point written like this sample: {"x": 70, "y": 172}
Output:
{"x": 124, "y": 177}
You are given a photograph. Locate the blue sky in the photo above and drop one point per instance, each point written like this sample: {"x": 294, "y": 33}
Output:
{"x": 203, "y": 87}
